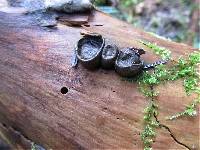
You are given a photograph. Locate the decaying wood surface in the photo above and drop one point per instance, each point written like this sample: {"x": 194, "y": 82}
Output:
{"x": 100, "y": 110}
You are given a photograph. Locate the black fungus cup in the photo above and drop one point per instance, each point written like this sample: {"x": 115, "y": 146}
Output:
{"x": 109, "y": 55}
{"x": 128, "y": 63}
{"x": 89, "y": 51}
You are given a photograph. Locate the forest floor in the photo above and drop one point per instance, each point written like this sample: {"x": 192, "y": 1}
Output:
{"x": 176, "y": 20}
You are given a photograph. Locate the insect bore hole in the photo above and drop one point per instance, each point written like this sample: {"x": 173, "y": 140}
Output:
{"x": 64, "y": 90}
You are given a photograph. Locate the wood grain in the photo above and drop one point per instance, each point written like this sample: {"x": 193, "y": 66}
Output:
{"x": 100, "y": 110}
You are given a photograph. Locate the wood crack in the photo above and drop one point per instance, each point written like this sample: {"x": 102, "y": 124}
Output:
{"x": 171, "y": 134}
{"x": 166, "y": 127}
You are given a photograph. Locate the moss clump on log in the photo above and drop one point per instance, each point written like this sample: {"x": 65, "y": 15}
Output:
{"x": 185, "y": 69}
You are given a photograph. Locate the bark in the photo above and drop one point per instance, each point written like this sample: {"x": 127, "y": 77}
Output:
{"x": 100, "y": 110}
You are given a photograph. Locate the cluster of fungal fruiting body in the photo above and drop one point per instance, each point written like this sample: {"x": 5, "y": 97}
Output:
{"x": 92, "y": 52}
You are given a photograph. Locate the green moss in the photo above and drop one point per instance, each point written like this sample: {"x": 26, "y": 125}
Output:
{"x": 151, "y": 124}
{"x": 184, "y": 69}
{"x": 190, "y": 110}
{"x": 161, "y": 51}
{"x": 146, "y": 82}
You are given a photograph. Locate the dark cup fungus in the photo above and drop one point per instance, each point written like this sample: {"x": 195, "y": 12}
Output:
{"x": 89, "y": 50}
{"x": 109, "y": 55}
{"x": 128, "y": 63}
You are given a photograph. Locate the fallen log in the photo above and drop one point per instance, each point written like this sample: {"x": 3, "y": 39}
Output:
{"x": 99, "y": 109}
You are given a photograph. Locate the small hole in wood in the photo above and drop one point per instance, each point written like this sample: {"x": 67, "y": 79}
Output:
{"x": 4, "y": 125}
{"x": 105, "y": 108}
{"x": 64, "y": 90}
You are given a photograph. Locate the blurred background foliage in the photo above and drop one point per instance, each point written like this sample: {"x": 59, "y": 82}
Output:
{"x": 177, "y": 20}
